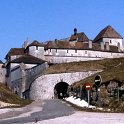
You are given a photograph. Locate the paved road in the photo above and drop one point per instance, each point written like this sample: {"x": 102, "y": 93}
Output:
{"x": 51, "y": 109}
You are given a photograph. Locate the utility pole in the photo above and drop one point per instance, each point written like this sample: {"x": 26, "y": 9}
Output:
{"x": 118, "y": 93}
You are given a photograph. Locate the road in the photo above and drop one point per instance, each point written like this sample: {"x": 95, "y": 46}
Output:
{"x": 49, "y": 109}
{"x": 57, "y": 112}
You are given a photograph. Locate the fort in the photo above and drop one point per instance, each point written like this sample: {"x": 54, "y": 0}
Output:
{"x": 25, "y": 66}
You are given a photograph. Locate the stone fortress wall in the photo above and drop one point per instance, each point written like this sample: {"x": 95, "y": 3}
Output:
{"x": 29, "y": 82}
{"x": 43, "y": 86}
{"x": 24, "y": 77}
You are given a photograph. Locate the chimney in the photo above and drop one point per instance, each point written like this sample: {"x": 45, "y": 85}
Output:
{"x": 75, "y": 31}
{"x": 102, "y": 46}
{"x": 26, "y": 43}
{"x": 90, "y": 44}
{"x": 107, "y": 46}
{"x": 56, "y": 40}
{"x": 119, "y": 49}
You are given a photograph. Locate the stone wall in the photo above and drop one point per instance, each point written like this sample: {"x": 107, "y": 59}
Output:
{"x": 67, "y": 59}
{"x": 21, "y": 77}
{"x": 2, "y": 73}
{"x": 63, "y": 56}
{"x": 43, "y": 86}
{"x": 37, "y": 51}
{"x": 33, "y": 73}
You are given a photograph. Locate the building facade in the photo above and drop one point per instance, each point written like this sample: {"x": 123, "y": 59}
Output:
{"x": 24, "y": 65}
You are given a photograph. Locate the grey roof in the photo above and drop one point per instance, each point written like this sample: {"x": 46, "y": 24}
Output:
{"x": 80, "y": 37}
{"x": 36, "y": 43}
{"x": 107, "y": 32}
{"x": 15, "y": 51}
{"x": 78, "y": 46}
{"x": 28, "y": 59}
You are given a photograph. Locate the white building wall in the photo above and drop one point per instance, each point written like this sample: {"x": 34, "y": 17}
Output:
{"x": 63, "y": 55}
{"x": 15, "y": 57}
{"x": 16, "y": 80}
{"x": 112, "y": 41}
{"x": 36, "y": 51}
{"x": 16, "y": 74}
{"x": 64, "y": 59}
{"x": 27, "y": 66}
{"x": 13, "y": 65}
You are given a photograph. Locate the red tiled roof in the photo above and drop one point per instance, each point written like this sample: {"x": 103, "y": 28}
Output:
{"x": 57, "y": 44}
{"x": 28, "y": 59}
{"x": 77, "y": 46}
{"x": 66, "y": 45}
{"x": 80, "y": 37}
{"x": 107, "y": 32}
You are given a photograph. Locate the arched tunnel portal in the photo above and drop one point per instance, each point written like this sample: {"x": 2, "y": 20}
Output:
{"x": 61, "y": 90}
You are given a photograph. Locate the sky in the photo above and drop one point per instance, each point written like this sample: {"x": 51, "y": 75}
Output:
{"x": 45, "y": 20}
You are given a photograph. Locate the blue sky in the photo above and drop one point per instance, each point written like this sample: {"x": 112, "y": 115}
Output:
{"x": 44, "y": 20}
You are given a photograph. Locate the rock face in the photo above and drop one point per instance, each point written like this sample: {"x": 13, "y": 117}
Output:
{"x": 43, "y": 87}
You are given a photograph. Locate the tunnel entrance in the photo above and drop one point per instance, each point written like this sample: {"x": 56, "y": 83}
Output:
{"x": 60, "y": 90}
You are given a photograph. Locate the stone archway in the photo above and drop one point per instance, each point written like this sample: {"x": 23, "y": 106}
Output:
{"x": 44, "y": 87}
{"x": 61, "y": 90}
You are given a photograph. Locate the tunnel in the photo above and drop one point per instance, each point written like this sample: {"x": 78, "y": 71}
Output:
{"x": 60, "y": 90}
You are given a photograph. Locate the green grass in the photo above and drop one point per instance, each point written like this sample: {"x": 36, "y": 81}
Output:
{"x": 84, "y": 66}
{"x": 73, "y": 67}
{"x": 7, "y": 96}
{"x": 112, "y": 69}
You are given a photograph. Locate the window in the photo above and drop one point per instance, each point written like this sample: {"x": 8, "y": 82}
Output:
{"x": 56, "y": 50}
{"x": 110, "y": 41}
{"x": 50, "y": 50}
{"x": 118, "y": 44}
{"x": 85, "y": 52}
{"x": 75, "y": 51}
{"x": 67, "y": 51}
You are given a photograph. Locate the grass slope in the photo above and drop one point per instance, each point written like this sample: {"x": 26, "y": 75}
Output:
{"x": 112, "y": 69}
{"x": 7, "y": 96}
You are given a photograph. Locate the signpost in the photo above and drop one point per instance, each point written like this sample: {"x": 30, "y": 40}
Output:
{"x": 88, "y": 87}
{"x": 98, "y": 80}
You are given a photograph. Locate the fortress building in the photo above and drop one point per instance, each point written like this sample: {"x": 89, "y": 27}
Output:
{"x": 78, "y": 47}
{"x": 24, "y": 65}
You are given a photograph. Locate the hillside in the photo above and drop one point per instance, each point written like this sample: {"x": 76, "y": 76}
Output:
{"x": 73, "y": 67}
{"x": 8, "y": 97}
{"x": 112, "y": 69}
